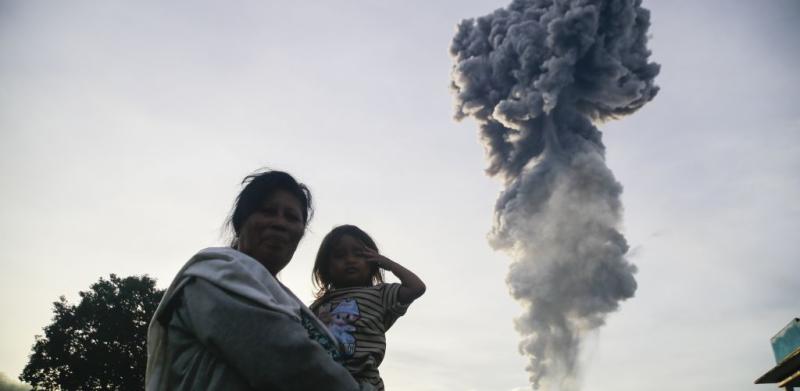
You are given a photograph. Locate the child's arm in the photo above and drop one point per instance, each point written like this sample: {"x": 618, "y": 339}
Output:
{"x": 411, "y": 286}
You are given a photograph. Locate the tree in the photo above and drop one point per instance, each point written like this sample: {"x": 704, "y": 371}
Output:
{"x": 100, "y": 344}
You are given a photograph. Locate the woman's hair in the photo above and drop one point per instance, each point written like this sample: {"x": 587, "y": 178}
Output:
{"x": 258, "y": 187}
{"x": 321, "y": 274}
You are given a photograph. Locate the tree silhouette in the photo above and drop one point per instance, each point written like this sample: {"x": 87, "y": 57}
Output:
{"x": 99, "y": 344}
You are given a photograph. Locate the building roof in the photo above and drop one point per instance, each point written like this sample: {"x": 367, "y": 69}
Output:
{"x": 786, "y": 373}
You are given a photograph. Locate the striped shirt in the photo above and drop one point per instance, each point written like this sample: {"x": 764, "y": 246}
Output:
{"x": 358, "y": 318}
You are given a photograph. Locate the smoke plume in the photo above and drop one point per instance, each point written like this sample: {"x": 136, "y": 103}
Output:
{"x": 537, "y": 76}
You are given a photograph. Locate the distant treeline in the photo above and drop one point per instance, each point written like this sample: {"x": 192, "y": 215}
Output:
{"x": 9, "y": 384}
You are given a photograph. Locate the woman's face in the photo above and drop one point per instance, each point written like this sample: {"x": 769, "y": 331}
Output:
{"x": 271, "y": 233}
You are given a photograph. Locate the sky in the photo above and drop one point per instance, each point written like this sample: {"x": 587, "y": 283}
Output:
{"x": 125, "y": 128}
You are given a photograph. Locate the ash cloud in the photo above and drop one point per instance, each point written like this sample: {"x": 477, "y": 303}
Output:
{"x": 537, "y": 76}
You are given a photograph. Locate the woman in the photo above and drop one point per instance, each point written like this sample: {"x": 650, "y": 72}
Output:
{"x": 226, "y": 323}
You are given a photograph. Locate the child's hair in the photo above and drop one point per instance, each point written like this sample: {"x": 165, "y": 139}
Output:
{"x": 321, "y": 275}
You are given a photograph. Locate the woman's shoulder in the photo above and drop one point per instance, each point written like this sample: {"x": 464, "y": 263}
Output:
{"x": 239, "y": 274}
{"x": 226, "y": 253}
{"x": 218, "y": 262}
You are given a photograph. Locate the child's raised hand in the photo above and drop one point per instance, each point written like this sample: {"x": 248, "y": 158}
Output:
{"x": 411, "y": 286}
{"x": 372, "y": 256}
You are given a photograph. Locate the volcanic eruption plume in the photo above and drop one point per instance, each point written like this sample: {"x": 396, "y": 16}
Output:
{"x": 536, "y": 76}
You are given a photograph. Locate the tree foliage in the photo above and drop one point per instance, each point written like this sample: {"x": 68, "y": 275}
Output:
{"x": 99, "y": 344}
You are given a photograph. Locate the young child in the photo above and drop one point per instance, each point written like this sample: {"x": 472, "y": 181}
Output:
{"x": 355, "y": 303}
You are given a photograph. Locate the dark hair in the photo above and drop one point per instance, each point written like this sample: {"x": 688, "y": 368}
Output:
{"x": 321, "y": 276}
{"x": 258, "y": 187}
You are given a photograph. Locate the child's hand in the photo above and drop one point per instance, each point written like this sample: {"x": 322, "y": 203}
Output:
{"x": 372, "y": 256}
{"x": 411, "y": 287}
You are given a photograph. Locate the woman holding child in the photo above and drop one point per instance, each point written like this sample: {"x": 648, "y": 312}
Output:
{"x": 226, "y": 323}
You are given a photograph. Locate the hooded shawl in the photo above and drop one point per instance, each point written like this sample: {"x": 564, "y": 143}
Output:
{"x": 236, "y": 278}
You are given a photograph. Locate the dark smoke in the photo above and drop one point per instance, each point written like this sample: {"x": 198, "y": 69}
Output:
{"x": 537, "y": 76}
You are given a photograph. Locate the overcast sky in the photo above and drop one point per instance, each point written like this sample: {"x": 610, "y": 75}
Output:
{"x": 125, "y": 128}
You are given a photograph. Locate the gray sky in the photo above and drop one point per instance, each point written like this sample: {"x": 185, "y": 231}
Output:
{"x": 126, "y": 126}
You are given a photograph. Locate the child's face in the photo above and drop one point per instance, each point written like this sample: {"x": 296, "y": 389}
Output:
{"x": 348, "y": 265}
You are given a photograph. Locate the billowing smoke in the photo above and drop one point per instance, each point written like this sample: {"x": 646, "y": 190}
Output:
{"x": 537, "y": 76}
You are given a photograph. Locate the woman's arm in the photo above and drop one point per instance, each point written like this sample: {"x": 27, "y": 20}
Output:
{"x": 411, "y": 286}
{"x": 268, "y": 348}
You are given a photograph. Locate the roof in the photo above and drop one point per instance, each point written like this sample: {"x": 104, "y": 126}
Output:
{"x": 787, "y": 372}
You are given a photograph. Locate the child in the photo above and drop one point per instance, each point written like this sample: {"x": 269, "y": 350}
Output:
{"x": 355, "y": 303}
